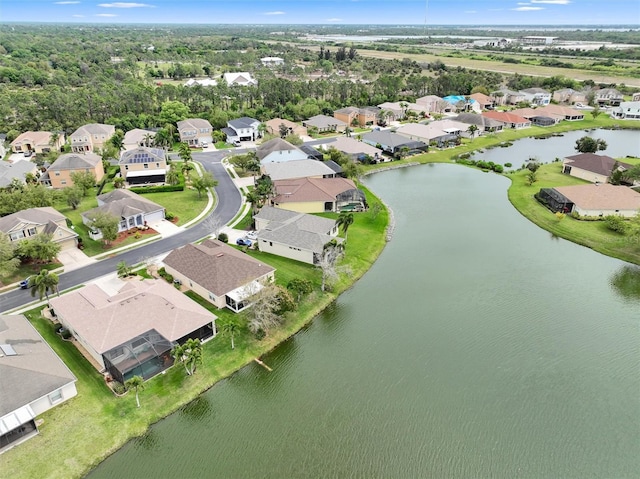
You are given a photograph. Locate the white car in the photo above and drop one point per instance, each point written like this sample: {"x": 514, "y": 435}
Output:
{"x": 252, "y": 235}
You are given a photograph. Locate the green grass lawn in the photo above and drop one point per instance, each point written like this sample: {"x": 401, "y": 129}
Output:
{"x": 592, "y": 234}
{"x": 186, "y": 204}
{"x": 26, "y": 270}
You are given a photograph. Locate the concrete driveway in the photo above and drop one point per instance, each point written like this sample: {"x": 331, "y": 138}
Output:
{"x": 74, "y": 258}
{"x": 165, "y": 228}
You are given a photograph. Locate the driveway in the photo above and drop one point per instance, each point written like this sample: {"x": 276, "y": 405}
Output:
{"x": 74, "y": 258}
{"x": 165, "y": 228}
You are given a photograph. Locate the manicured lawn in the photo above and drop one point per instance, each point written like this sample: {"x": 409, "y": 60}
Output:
{"x": 25, "y": 270}
{"x": 184, "y": 204}
{"x": 592, "y": 234}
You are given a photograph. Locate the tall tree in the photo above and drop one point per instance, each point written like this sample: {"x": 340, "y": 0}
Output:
{"x": 40, "y": 248}
{"x": 43, "y": 283}
{"x": 345, "y": 219}
{"x": 73, "y": 195}
{"x": 137, "y": 383}
{"x": 108, "y": 226}
{"x": 189, "y": 354}
{"x": 230, "y": 328}
{"x": 8, "y": 261}
{"x": 472, "y": 130}
{"x": 85, "y": 180}
{"x": 587, "y": 144}
{"x": 203, "y": 182}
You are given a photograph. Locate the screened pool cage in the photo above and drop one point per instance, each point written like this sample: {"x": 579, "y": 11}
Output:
{"x": 555, "y": 201}
{"x": 351, "y": 198}
{"x": 145, "y": 355}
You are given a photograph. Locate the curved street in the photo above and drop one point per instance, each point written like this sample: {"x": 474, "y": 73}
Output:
{"x": 227, "y": 206}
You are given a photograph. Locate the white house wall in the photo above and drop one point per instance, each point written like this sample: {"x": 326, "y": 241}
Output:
{"x": 44, "y": 403}
{"x": 286, "y": 251}
{"x": 597, "y": 213}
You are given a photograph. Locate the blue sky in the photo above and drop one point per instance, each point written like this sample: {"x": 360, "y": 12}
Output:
{"x": 439, "y": 12}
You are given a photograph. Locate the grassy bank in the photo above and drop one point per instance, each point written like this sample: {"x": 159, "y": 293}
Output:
{"x": 79, "y": 434}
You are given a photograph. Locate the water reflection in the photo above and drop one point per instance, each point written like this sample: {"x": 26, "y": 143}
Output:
{"x": 147, "y": 442}
{"x": 197, "y": 410}
{"x": 626, "y": 282}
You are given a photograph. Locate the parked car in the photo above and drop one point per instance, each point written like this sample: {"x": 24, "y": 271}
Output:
{"x": 252, "y": 235}
{"x": 236, "y": 143}
{"x": 24, "y": 284}
{"x": 204, "y": 144}
{"x": 243, "y": 242}
{"x": 28, "y": 153}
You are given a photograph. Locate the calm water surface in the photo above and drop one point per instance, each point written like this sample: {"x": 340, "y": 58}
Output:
{"x": 477, "y": 346}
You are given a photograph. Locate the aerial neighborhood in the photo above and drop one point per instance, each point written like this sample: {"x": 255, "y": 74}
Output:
{"x": 218, "y": 227}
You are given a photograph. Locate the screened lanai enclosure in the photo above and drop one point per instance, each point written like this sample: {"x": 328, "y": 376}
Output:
{"x": 554, "y": 200}
{"x": 145, "y": 355}
{"x": 351, "y": 200}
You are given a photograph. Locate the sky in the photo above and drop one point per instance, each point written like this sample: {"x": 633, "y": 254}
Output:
{"x": 404, "y": 12}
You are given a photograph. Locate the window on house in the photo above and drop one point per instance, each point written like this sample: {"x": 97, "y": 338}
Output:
{"x": 31, "y": 231}
{"x": 146, "y": 166}
{"x": 63, "y": 182}
{"x": 57, "y": 173}
{"x": 212, "y": 297}
{"x": 55, "y": 396}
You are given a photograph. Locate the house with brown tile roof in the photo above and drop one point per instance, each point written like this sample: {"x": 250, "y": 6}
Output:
{"x": 596, "y": 200}
{"x": 485, "y": 101}
{"x": 316, "y": 195}
{"x": 592, "y": 167}
{"x": 568, "y": 114}
{"x": 33, "y": 379}
{"x": 509, "y": 119}
{"x": 28, "y": 223}
{"x": 219, "y": 273}
{"x": 133, "y": 331}
{"x": 273, "y": 127}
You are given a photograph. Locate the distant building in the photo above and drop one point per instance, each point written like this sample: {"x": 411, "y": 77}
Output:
{"x": 537, "y": 40}
{"x": 271, "y": 61}
{"x": 239, "y": 79}
{"x": 91, "y": 137}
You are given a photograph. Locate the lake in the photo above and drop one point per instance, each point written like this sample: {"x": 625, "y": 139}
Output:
{"x": 478, "y": 345}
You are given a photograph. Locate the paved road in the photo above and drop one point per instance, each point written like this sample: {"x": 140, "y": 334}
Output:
{"x": 229, "y": 202}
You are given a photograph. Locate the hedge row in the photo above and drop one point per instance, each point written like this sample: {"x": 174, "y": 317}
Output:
{"x": 157, "y": 189}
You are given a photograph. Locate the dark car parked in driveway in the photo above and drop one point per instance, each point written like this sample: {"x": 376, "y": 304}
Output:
{"x": 243, "y": 242}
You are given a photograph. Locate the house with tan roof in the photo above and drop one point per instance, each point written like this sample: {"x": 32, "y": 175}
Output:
{"x": 508, "y": 119}
{"x": 38, "y": 142}
{"x": 278, "y": 150}
{"x": 143, "y": 165}
{"x": 484, "y": 124}
{"x": 567, "y": 113}
{"x": 441, "y": 132}
{"x": 91, "y": 137}
{"x": 608, "y": 97}
{"x": 504, "y": 96}
{"x": 538, "y": 116}
{"x": 397, "y": 110}
{"x": 316, "y": 195}
{"x": 31, "y": 222}
{"x": 58, "y": 175}
{"x": 130, "y": 332}
{"x": 195, "y": 131}
{"x": 592, "y": 167}
{"x": 435, "y": 104}
{"x": 131, "y": 209}
{"x": 484, "y": 101}
{"x": 297, "y": 236}
{"x": 324, "y": 124}
{"x": 570, "y": 96}
{"x": 138, "y": 137}
{"x": 596, "y": 200}
{"x": 273, "y": 127}
{"x": 357, "y": 150}
{"x": 355, "y": 116}
{"x": 297, "y": 169}
{"x": 219, "y": 273}
{"x": 33, "y": 379}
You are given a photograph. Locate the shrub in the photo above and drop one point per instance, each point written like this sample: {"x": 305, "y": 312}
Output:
{"x": 169, "y": 216}
{"x": 166, "y": 276}
{"x": 157, "y": 189}
{"x": 118, "y": 387}
{"x": 260, "y": 334}
{"x": 223, "y": 237}
{"x": 616, "y": 223}
{"x": 508, "y": 165}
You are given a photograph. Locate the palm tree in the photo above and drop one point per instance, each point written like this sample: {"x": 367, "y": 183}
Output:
{"x": 345, "y": 219}
{"x": 43, "y": 283}
{"x": 189, "y": 354}
{"x": 137, "y": 383}
{"x": 472, "y": 130}
{"x": 147, "y": 139}
{"x": 230, "y": 328}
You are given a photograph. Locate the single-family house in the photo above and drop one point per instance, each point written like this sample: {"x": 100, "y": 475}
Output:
{"x": 628, "y": 110}
{"x": 143, "y": 165}
{"x": 219, "y": 273}
{"x": 312, "y": 153}
{"x": 28, "y": 223}
{"x": 242, "y": 129}
{"x": 592, "y": 167}
{"x": 33, "y": 379}
{"x": 570, "y": 96}
{"x": 484, "y": 124}
{"x": 435, "y": 104}
{"x": 274, "y": 127}
{"x": 15, "y": 171}
{"x": 595, "y": 200}
{"x": 504, "y": 96}
{"x": 91, "y": 137}
{"x": 131, "y": 331}
{"x": 278, "y": 150}
{"x": 357, "y": 116}
{"x": 484, "y": 101}
{"x": 293, "y": 235}
{"x": 608, "y": 97}
{"x": 398, "y": 110}
{"x": 441, "y": 132}
{"x": 58, "y": 175}
{"x": 462, "y": 103}
{"x": 37, "y": 142}
{"x": 138, "y": 137}
{"x": 131, "y": 209}
{"x": 195, "y": 131}
{"x": 317, "y": 195}
{"x": 393, "y": 143}
{"x": 635, "y": 97}
{"x": 239, "y": 79}
{"x": 357, "y": 150}
{"x": 297, "y": 169}
{"x": 536, "y": 96}
{"x": 538, "y": 116}
{"x": 324, "y": 123}
{"x": 565, "y": 112}
{"x": 271, "y": 61}
{"x": 201, "y": 82}
{"x": 508, "y": 119}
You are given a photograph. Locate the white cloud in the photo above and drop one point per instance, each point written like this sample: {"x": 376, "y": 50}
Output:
{"x": 553, "y": 2}
{"x": 523, "y": 3}
{"x": 333, "y": 20}
{"x": 124, "y": 5}
{"x": 527, "y": 9}
{"x": 106, "y": 15}
{"x": 66, "y": 3}
{"x": 275, "y": 13}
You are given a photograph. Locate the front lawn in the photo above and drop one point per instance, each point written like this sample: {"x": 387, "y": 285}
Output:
{"x": 25, "y": 270}
{"x": 186, "y": 205}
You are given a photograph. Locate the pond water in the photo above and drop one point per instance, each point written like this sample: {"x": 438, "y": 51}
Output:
{"x": 620, "y": 143}
{"x": 478, "y": 345}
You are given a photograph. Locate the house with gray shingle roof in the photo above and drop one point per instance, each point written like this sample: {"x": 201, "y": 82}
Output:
{"x": 324, "y": 123}
{"x": 15, "y": 171}
{"x": 219, "y": 273}
{"x": 297, "y": 169}
{"x": 392, "y": 142}
{"x": 242, "y": 129}
{"x": 130, "y": 332}
{"x": 131, "y": 209}
{"x": 592, "y": 167}
{"x": 195, "y": 131}
{"x": 483, "y": 123}
{"x": 91, "y": 137}
{"x": 293, "y": 235}
{"x": 28, "y": 223}
{"x": 138, "y": 137}
{"x": 278, "y": 150}
{"x": 33, "y": 379}
{"x": 143, "y": 165}
{"x": 58, "y": 175}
